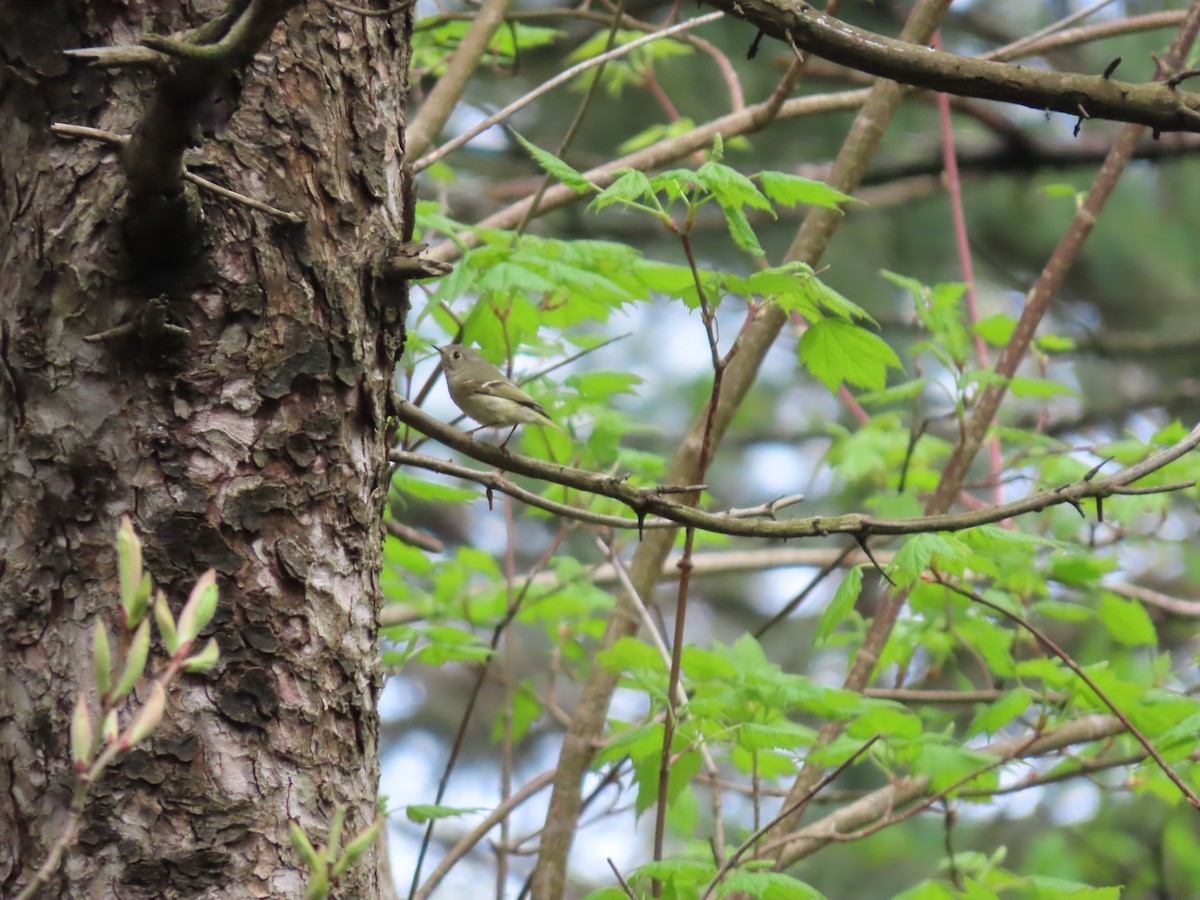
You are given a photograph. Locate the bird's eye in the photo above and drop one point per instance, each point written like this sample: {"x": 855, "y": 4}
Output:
{"x": 456, "y": 355}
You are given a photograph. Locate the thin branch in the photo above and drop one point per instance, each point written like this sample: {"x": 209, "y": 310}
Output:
{"x": 121, "y": 56}
{"x": 716, "y": 563}
{"x": 620, "y": 878}
{"x": 826, "y": 570}
{"x": 624, "y": 20}
{"x": 962, "y": 246}
{"x": 1152, "y": 104}
{"x": 1070, "y": 663}
{"x": 468, "y": 841}
{"x": 649, "y": 501}
{"x": 410, "y": 535}
{"x": 1038, "y": 299}
{"x": 758, "y": 834}
{"x": 880, "y": 803}
{"x": 710, "y": 765}
{"x": 545, "y": 87}
{"x": 1174, "y": 605}
{"x": 510, "y": 614}
{"x": 548, "y": 180}
{"x": 754, "y": 117}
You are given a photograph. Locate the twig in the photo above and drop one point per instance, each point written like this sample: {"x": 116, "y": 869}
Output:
{"x": 468, "y": 841}
{"x": 1070, "y": 663}
{"x": 450, "y": 146}
{"x": 369, "y": 13}
{"x": 1174, "y": 605}
{"x": 754, "y": 117}
{"x": 1148, "y": 104}
{"x": 754, "y": 838}
{"x": 412, "y": 536}
{"x": 719, "y": 364}
{"x": 576, "y": 121}
{"x": 881, "y": 802}
{"x": 647, "y": 501}
{"x": 962, "y": 245}
{"x": 460, "y": 737}
{"x": 624, "y": 884}
{"x": 788, "y": 608}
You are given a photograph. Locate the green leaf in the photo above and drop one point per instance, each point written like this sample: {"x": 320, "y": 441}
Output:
{"x": 731, "y": 188}
{"x": 526, "y": 709}
{"x": 997, "y": 329}
{"x": 1041, "y": 887}
{"x": 1126, "y": 620}
{"x": 789, "y": 190}
{"x": 601, "y": 385}
{"x": 995, "y": 716}
{"x": 948, "y": 765}
{"x": 655, "y": 133}
{"x": 1054, "y": 343}
{"x": 701, "y": 665}
{"x": 1040, "y": 387}
{"x": 630, "y": 186}
{"x": 835, "y": 351}
{"x": 431, "y": 490}
{"x": 900, "y": 393}
{"x": 782, "y": 735}
{"x": 449, "y": 644}
{"x": 629, "y": 654}
{"x": 1079, "y": 569}
{"x": 841, "y": 605}
{"x": 423, "y": 812}
{"x": 886, "y": 718}
{"x": 767, "y": 886}
{"x": 607, "y": 893}
{"x": 922, "y": 550}
{"x": 739, "y": 228}
{"x": 718, "y": 148}
{"x": 1062, "y": 610}
{"x": 646, "y": 771}
{"x": 665, "y": 278}
{"x": 927, "y": 890}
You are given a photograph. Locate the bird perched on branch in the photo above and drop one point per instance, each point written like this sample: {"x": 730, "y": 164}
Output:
{"x": 481, "y": 391}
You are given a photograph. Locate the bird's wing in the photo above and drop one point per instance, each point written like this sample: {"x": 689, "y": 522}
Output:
{"x": 509, "y": 391}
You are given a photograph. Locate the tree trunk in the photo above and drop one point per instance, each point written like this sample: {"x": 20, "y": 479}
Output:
{"x": 254, "y": 444}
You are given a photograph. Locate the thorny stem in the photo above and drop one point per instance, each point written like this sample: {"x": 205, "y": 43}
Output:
{"x": 963, "y": 247}
{"x": 685, "y": 563}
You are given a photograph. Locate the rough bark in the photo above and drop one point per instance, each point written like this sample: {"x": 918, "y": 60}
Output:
{"x": 255, "y": 445}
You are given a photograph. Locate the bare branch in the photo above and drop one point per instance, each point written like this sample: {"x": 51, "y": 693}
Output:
{"x": 1153, "y": 104}
{"x": 561, "y": 78}
{"x": 650, "y": 501}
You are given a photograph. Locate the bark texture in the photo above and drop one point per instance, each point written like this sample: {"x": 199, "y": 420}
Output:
{"x": 255, "y": 445}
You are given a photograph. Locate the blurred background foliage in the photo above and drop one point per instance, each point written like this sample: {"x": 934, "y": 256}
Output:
{"x": 1126, "y": 327}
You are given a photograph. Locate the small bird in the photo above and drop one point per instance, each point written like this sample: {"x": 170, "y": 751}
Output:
{"x": 481, "y": 391}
